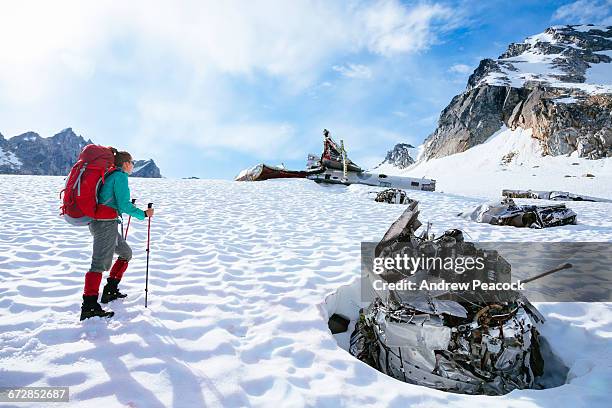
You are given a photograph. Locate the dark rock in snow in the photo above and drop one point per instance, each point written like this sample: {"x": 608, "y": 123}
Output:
{"x": 338, "y": 324}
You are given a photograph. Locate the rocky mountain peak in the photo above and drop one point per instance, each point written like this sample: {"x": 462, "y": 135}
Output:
{"x": 146, "y": 168}
{"x": 68, "y": 136}
{"x": 400, "y": 156}
{"x": 557, "y": 83}
{"x": 26, "y": 137}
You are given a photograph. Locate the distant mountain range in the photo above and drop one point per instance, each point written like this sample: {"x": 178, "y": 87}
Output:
{"x": 29, "y": 153}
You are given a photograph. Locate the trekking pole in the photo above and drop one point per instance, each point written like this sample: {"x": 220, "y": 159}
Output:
{"x": 150, "y": 205}
{"x": 129, "y": 219}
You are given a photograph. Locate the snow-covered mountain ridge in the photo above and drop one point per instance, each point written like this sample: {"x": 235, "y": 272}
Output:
{"x": 29, "y": 153}
{"x": 572, "y": 57}
{"x": 558, "y": 84}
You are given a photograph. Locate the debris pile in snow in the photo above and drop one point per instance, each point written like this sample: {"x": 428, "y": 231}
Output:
{"x": 393, "y": 196}
{"x": 444, "y": 340}
{"x": 507, "y": 212}
{"x": 550, "y": 195}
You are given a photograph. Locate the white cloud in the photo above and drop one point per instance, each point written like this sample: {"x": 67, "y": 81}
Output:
{"x": 585, "y": 12}
{"x": 286, "y": 39}
{"x": 172, "y": 66}
{"x": 357, "y": 71}
{"x": 369, "y": 162}
{"x": 186, "y": 123}
{"x": 392, "y": 28}
{"x": 429, "y": 120}
{"x": 358, "y": 138}
{"x": 460, "y": 69}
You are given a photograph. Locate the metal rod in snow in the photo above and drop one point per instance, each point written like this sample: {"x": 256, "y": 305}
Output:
{"x": 557, "y": 269}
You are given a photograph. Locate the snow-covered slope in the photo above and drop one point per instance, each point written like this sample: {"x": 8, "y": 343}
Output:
{"x": 8, "y": 158}
{"x": 239, "y": 273}
{"x": 512, "y": 159}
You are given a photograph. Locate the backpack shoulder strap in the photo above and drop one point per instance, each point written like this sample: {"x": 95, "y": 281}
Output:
{"x": 109, "y": 172}
{"x": 102, "y": 180}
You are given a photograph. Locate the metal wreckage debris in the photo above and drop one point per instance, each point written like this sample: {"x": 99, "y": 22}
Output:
{"x": 456, "y": 342}
{"x": 333, "y": 166}
{"x": 507, "y": 212}
{"x": 393, "y": 196}
{"x": 551, "y": 195}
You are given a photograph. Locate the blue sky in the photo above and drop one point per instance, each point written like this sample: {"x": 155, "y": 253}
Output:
{"x": 209, "y": 88}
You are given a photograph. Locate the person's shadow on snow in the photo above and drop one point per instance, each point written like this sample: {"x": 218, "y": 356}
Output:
{"x": 186, "y": 386}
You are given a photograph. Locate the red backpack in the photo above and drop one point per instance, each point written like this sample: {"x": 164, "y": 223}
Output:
{"x": 80, "y": 195}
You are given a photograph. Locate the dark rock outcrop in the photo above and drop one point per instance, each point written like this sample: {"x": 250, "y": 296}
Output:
{"x": 471, "y": 118}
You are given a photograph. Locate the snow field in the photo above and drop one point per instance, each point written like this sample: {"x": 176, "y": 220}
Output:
{"x": 239, "y": 273}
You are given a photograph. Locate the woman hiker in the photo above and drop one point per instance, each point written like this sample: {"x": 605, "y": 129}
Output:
{"x": 107, "y": 239}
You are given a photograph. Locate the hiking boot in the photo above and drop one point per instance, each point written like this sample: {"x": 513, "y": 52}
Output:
{"x": 111, "y": 292}
{"x": 91, "y": 308}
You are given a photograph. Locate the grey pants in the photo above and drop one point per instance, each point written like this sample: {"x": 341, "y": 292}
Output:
{"x": 107, "y": 241}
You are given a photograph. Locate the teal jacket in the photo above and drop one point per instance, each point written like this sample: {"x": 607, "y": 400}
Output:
{"x": 115, "y": 193}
